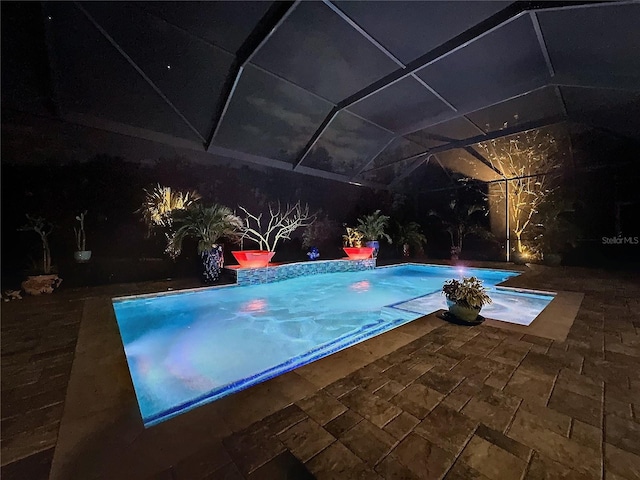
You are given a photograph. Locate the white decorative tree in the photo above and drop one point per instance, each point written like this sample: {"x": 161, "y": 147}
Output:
{"x": 281, "y": 224}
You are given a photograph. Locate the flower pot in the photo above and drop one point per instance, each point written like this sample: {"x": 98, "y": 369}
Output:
{"x": 376, "y": 247}
{"x": 358, "y": 253}
{"x": 82, "y": 256}
{"x": 253, "y": 258}
{"x": 462, "y": 312}
{"x": 212, "y": 263}
{"x": 38, "y": 284}
{"x": 313, "y": 253}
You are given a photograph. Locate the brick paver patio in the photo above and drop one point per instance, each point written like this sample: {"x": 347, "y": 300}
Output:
{"x": 427, "y": 400}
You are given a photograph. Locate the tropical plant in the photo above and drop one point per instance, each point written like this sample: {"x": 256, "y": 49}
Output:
{"x": 461, "y": 220}
{"x": 207, "y": 224}
{"x": 467, "y": 292}
{"x": 43, "y": 229}
{"x": 372, "y": 226}
{"x": 161, "y": 201}
{"x": 353, "y": 238}
{"x": 410, "y": 233}
{"x": 81, "y": 237}
{"x": 282, "y": 223}
{"x": 554, "y": 224}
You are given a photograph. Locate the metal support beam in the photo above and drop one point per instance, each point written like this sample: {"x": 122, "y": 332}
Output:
{"x": 477, "y": 155}
{"x": 505, "y": 132}
{"x": 474, "y": 125}
{"x": 463, "y": 115}
{"x": 506, "y": 217}
{"x": 363, "y": 32}
{"x": 489, "y": 136}
{"x": 444, "y": 170}
{"x": 364, "y": 167}
{"x": 405, "y": 159}
{"x": 563, "y": 105}
{"x": 483, "y": 28}
{"x": 269, "y": 23}
{"x": 409, "y": 171}
{"x": 137, "y": 68}
{"x": 542, "y": 43}
{"x": 316, "y": 136}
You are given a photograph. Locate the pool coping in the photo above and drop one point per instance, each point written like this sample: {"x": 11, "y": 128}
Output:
{"x": 559, "y": 332}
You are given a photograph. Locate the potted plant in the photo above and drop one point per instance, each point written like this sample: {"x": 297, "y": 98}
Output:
{"x": 462, "y": 217}
{"x": 81, "y": 255}
{"x": 372, "y": 228}
{"x": 283, "y": 221}
{"x": 409, "y": 236}
{"x": 207, "y": 224}
{"x": 44, "y": 281}
{"x": 353, "y": 245}
{"x": 465, "y": 298}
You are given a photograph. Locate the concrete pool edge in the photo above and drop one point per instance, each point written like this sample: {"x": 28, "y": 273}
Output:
{"x": 554, "y": 322}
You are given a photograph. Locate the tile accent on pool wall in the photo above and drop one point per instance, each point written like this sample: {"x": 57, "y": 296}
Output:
{"x": 276, "y": 273}
{"x": 391, "y": 320}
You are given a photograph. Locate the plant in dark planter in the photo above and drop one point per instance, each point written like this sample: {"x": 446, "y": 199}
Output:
{"x": 373, "y": 228}
{"x": 462, "y": 219}
{"x": 409, "y": 235}
{"x": 81, "y": 255}
{"x": 465, "y": 298}
{"x": 206, "y": 224}
{"x": 44, "y": 280}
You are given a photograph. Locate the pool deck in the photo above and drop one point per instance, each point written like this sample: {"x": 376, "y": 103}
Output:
{"x": 558, "y": 399}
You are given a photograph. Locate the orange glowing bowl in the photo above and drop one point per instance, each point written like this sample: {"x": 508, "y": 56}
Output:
{"x": 358, "y": 253}
{"x": 253, "y": 258}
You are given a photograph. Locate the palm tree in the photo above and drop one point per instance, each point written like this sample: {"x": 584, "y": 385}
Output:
{"x": 161, "y": 201}
{"x": 372, "y": 226}
{"x": 207, "y": 224}
{"x": 410, "y": 234}
{"x": 460, "y": 220}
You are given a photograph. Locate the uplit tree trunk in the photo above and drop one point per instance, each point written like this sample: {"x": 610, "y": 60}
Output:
{"x": 527, "y": 161}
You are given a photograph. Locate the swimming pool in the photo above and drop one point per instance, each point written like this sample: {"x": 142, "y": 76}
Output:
{"x": 188, "y": 348}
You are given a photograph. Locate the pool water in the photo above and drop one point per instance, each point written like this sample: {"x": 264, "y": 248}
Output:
{"x": 190, "y": 348}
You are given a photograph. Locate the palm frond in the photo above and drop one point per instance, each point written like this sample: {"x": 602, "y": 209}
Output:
{"x": 161, "y": 201}
{"x": 207, "y": 224}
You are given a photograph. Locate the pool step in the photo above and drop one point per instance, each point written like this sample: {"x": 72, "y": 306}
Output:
{"x": 390, "y": 314}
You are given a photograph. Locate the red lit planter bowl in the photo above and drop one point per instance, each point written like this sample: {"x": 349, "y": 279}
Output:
{"x": 253, "y": 258}
{"x": 358, "y": 253}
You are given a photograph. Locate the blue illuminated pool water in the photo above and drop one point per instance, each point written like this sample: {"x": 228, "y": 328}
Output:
{"x": 190, "y": 348}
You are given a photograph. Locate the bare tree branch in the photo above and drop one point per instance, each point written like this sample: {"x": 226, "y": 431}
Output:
{"x": 282, "y": 223}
